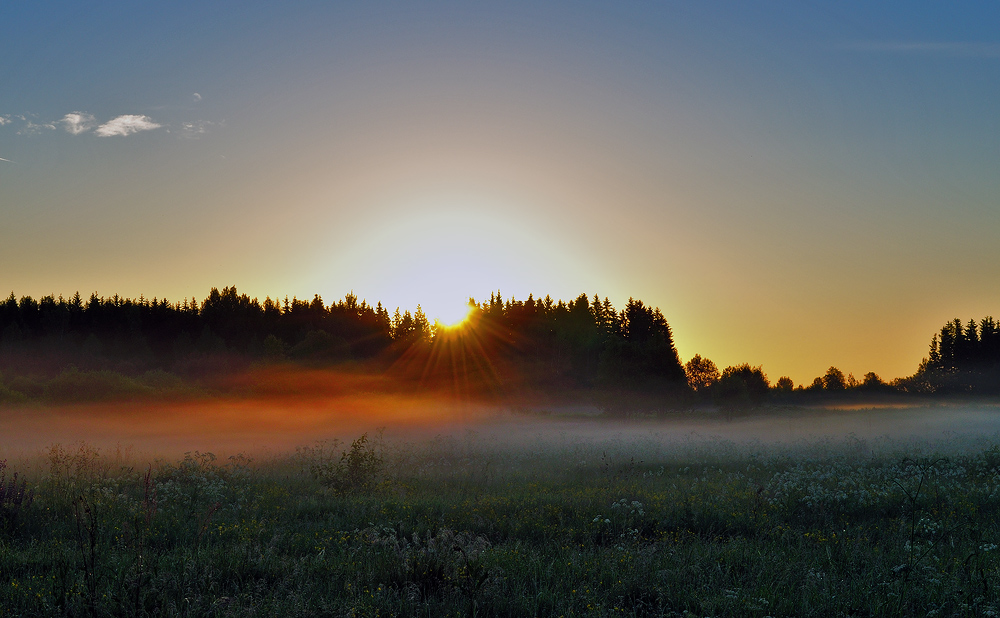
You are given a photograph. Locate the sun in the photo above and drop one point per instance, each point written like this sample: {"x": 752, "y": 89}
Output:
{"x": 453, "y": 318}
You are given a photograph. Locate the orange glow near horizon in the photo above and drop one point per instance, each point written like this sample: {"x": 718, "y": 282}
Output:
{"x": 284, "y": 409}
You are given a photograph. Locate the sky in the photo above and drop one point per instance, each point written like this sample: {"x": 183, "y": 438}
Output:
{"x": 795, "y": 185}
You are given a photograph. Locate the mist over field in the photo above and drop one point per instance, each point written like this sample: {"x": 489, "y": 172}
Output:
{"x": 302, "y": 408}
{"x": 314, "y": 491}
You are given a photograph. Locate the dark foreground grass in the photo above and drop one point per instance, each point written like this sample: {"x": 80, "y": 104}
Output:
{"x": 464, "y": 528}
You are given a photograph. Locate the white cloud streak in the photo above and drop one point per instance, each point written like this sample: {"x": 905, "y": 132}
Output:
{"x": 196, "y": 97}
{"x": 126, "y": 124}
{"x": 77, "y": 122}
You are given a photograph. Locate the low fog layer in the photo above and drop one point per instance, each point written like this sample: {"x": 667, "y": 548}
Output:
{"x": 278, "y": 424}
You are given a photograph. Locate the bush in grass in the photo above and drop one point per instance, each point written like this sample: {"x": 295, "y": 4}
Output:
{"x": 15, "y": 497}
{"x": 357, "y": 469}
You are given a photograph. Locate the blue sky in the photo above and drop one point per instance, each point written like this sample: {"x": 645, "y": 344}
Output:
{"x": 796, "y": 185}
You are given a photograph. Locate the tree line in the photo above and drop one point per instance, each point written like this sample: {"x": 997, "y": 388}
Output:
{"x": 142, "y": 333}
{"x": 541, "y": 343}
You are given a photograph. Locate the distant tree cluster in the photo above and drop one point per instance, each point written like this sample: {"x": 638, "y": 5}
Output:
{"x": 745, "y": 386}
{"x": 736, "y": 387}
{"x": 834, "y": 381}
{"x": 962, "y": 359}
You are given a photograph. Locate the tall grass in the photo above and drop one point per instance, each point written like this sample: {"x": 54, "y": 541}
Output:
{"x": 464, "y": 527}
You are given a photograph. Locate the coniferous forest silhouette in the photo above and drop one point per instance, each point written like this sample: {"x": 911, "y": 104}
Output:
{"x": 63, "y": 349}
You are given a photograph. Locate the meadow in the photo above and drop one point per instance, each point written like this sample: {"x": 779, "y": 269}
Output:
{"x": 497, "y": 523}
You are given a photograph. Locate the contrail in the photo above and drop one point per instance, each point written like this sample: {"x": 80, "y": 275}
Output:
{"x": 7, "y": 160}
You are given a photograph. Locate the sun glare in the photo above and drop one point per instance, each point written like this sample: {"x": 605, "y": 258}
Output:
{"x": 454, "y": 318}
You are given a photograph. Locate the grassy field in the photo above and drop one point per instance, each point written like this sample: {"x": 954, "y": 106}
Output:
{"x": 473, "y": 526}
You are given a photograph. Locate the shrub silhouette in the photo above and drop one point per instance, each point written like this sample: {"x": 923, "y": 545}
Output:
{"x": 357, "y": 469}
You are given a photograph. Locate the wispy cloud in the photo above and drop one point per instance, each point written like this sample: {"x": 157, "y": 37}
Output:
{"x": 31, "y": 127}
{"x": 196, "y": 97}
{"x": 77, "y": 122}
{"x": 966, "y": 49}
{"x": 7, "y": 160}
{"x": 126, "y": 124}
{"x": 192, "y": 130}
